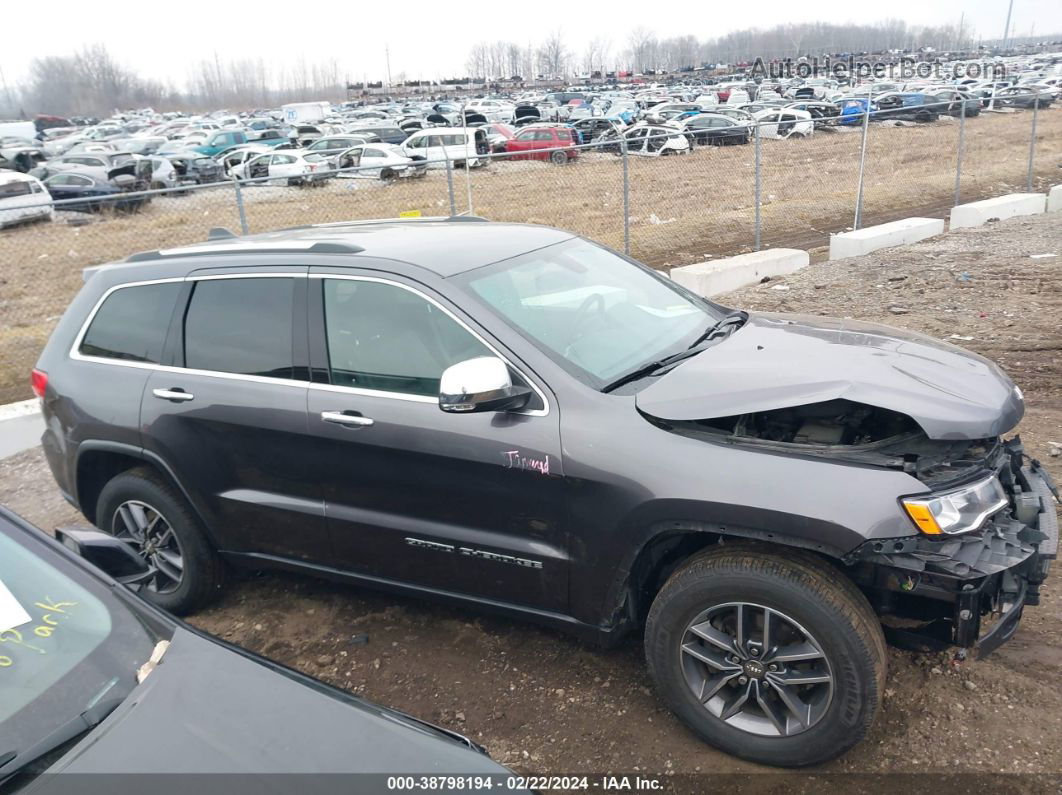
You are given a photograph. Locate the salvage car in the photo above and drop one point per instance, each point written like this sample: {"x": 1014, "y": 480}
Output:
{"x": 99, "y": 681}
{"x": 290, "y": 167}
{"x": 650, "y": 140}
{"x": 711, "y": 128}
{"x": 333, "y": 145}
{"x": 785, "y": 123}
{"x": 377, "y": 161}
{"x": 454, "y": 145}
{"x": 92, "y": 190}
{"x": 513, "y": 417}
{"x": 553, "y": 142}
{"x": 906, "y": 106}
{"x": 22, "y": 199}
{"x": 1024, "y": 97}
{"x": 194, "y": 168}
{"x": 19, "y": 154}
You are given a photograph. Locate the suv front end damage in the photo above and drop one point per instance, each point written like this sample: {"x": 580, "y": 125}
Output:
{"x": 969, "y": 589}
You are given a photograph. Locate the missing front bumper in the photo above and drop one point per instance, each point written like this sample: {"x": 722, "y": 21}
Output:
{"x": 967, "y": 591}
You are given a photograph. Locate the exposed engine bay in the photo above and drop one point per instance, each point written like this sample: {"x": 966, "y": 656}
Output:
{"x": 849, "y": 431}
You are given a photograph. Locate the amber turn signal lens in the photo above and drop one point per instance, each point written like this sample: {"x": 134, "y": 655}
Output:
{"x": 922, "y": 517}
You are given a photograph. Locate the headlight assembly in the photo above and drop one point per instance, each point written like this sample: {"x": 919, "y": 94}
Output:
{"x": 957, "y": 511}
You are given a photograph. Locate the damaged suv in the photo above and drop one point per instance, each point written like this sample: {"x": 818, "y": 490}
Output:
{"x": 512, "y": 417}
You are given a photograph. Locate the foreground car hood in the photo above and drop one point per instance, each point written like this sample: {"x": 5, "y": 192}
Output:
{"x": 777, "y": 361}
{"x": 208, "y": 709}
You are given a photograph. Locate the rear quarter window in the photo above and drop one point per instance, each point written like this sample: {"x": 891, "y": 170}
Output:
{"x": 131, "y": 323}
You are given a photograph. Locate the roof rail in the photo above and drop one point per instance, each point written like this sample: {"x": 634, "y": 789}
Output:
{"x": 263, "y": 247}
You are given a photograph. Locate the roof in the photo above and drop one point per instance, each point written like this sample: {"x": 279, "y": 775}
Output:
{"x": 15, "y": 176}
{"x": 446, "y": 246}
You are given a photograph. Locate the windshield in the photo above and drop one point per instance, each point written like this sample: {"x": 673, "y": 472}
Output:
{"x": 64, "y": 638}
{"x": 595, "y": 313}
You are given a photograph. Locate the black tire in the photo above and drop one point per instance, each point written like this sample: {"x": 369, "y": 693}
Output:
{"x": 803, "y": 588}
{"x": 203, "y": 572}
{"x": 559, "y": 158}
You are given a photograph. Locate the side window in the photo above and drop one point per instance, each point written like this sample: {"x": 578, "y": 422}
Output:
{"x": 387, "y": 338}
{"x": 240, "y": 326}
{"x": 132, "y": 323}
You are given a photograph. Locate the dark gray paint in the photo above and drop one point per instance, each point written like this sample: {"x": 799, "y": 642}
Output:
{"x": 777, "y": 361}
{"x": 618, "y": 481}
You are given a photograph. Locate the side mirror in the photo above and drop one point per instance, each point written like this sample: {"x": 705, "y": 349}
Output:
{"x": 480, "y": 384}
{"x": 115, "y": 557}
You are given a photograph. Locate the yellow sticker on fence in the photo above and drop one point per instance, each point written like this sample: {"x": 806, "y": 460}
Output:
{"x": 409, "y": 214}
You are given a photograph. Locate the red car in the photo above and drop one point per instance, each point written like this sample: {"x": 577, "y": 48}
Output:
{"x": 553, "y": 142}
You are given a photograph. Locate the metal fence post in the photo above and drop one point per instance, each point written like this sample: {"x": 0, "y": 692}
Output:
{"x": 626, "y": 199}
{"x": 239, "y": 205}
{"x": 1032, "y": 145}
{"x": 958, "y": 159}
{"x": 862, "y": 166}
{"x": 756, "y": 180}
{"x": 450, "y": 184}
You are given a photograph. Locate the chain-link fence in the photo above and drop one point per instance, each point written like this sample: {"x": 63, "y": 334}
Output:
{"x": 773, "y": 187}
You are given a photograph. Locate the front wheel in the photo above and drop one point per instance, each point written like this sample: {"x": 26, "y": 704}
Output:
{"x": 183, "y": 572}
{"x": 779, "y": 660}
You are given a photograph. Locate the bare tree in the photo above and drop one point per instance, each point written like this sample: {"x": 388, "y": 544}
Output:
{"x": 553, "y": 55}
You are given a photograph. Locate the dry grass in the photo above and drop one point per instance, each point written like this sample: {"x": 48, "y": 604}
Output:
{"x": 683, "y": 209}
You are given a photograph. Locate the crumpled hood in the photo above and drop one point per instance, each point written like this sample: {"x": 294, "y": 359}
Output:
{"x": 778, "y": 361}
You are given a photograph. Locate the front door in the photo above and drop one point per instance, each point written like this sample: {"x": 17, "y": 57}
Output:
{"x": 467, "y": 503}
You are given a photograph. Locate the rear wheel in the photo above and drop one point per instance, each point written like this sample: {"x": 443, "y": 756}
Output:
{"x": 558, "y": 158}
{"x": 777, "y": 660}
{"x": 184, "y": 572}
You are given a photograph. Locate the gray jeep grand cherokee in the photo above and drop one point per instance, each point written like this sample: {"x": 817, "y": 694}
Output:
{"x": 515, "y": 418}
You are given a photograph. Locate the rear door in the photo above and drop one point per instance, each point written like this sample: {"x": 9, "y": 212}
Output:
{"x": 227, "y": 411}
{"x": 467, "y": 503}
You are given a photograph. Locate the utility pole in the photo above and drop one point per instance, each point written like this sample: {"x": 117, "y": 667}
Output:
{"x": 387, "y": 55}
{"x": 1006, "y": 28}
{"x": 962, "y": 20}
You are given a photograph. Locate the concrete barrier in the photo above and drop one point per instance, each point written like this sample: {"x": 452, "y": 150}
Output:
{"x": 1054, "y": 199}
{"x": 999, "y": 208}
{"x": 731, "y": 273}
{"x": 871, "y": 238}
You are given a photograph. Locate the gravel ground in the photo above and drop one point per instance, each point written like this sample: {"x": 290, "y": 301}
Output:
{"x": 544, "y": 703}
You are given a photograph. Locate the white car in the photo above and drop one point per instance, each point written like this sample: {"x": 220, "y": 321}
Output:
{"x": 163, "y": 174}
{"x": 291, "y": 167}
{"x": 652, "y": 140}
{"x": 377, "y": 160}
{"x": 782, "y": 123}
{"x": 231, "y": 158}
{"x": 493, "y": 109}
{"x": 456, "y": 144}
{"x": 23, "y": 198}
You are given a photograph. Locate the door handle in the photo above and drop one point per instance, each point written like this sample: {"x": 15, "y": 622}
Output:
{"x": 341, "y": 418}
{"x": 176, "y": 395}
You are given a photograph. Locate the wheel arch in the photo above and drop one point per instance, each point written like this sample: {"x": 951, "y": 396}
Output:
{"x": 667, "y": 544}
{"x": 99, "y": 462}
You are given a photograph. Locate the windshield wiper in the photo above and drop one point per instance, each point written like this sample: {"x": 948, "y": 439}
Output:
{"x": 734, "y": 319}
{"x": 99, "y": 707}
{"x": 650, "y": 368}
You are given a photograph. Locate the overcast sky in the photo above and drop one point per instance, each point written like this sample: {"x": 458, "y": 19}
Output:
{"x": 431, "y": 39}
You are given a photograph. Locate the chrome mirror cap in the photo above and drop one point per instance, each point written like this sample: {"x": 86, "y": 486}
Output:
{"x": 480, "y": 384}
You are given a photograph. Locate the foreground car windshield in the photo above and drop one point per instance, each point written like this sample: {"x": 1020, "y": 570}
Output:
{"x": 595, "y": 313}
{"x": 66, "y": 643}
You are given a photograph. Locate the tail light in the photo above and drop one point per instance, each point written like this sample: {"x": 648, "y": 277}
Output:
{"x": 39, "y": 382}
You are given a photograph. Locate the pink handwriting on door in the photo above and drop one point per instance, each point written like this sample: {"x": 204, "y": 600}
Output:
{"x": 516, "y": 460}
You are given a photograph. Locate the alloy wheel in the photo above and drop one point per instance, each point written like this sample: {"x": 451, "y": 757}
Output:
{"x": 154, "y": 540}
{"x": 756, "y": 669}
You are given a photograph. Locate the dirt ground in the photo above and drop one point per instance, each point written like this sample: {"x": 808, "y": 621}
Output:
{"x": 542, "y": 702}
{"x": 682, "y": 209}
